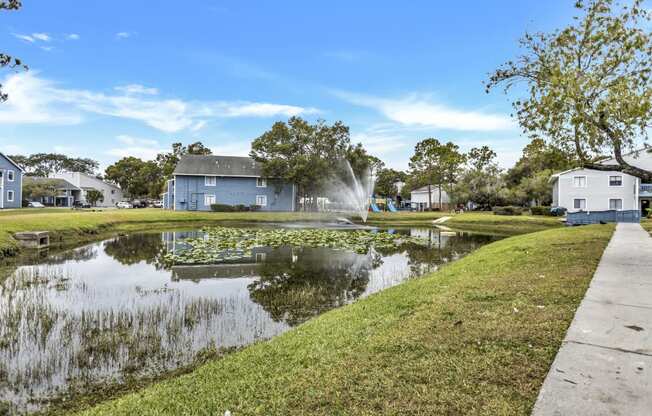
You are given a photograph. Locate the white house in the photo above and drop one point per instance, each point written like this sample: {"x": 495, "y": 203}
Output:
{"x": 419, "y": 198}
{"x": 112, "y": 193}
{"x": 597, "y": 192}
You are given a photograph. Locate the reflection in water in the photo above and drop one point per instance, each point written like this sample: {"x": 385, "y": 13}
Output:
{"x": 109, "y": 310}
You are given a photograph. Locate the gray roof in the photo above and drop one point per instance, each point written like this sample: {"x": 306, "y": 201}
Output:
{"x": 218, "y": 165}
{"x": 59, "y": 183}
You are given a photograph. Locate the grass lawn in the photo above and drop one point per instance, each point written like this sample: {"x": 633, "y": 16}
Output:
{"x": 67, "y": 225}
{"x": 477, "y": 337}
{"x": 647, "y": 224}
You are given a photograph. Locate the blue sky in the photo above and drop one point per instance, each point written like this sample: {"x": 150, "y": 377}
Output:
{"x": 121, "y": 78}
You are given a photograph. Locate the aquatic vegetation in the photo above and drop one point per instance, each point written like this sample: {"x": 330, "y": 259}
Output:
{"x": 221, "y": 244}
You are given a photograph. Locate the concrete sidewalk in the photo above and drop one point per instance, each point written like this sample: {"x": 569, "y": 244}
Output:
{"x": 604, "y": 366}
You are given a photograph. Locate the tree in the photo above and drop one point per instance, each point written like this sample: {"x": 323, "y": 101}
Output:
{"x": 590, "y": 84}
{"x": 45, "y": 164}
{"x": 386, "y": 182}
{"x": 36, "y": 189}
{"x": 436, "y": 163}
{"x": 8, "y": 60}
{"x": 481, "y": 157}
{"x": 539, "y": 156}
{"x": 309, "y": 155}
{"x": 137, "y": 177}
{"x": 93, "y": 196}
{"x": 481, "y": 182}
{"x": 167, "y": 162}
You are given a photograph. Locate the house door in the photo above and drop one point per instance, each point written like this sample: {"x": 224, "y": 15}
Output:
{"x": 646, "y": 204}
{"x": 194, "y": 201}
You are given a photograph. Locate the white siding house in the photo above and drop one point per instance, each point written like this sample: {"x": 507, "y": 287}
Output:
{"x": 419, "y": 198}
{"x": 597, "y": 192}
{"x": 112, "y": 193}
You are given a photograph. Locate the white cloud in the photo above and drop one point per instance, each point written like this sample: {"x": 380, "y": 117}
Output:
{"x": 47, "y": 48}
{"x": 146, "y": 149}
{"x": 198, "y": 126}
{"x": 136, "y": 89}
{"x": 417, "y": 110}
{"x": 42, "y": 36}
{"x": 11, "y": 149}
{"x": 379, "y": 144}
{"x": 26, "y": 38}
{"x": 36, "y": 100}
{"x": 72, "y": 36}
{"x": 123, "y": 35}
{"x": 232, "y": 149}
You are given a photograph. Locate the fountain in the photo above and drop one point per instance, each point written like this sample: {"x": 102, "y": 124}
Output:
{"x": 356, "y": 192}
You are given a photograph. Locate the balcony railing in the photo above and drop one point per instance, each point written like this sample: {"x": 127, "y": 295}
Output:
{"x": 646, "y": 188}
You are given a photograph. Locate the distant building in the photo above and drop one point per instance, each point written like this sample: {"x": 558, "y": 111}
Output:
{"x": 419, "y": 198}
{"x": 591, "y": 196}
{"x": 11, "y": 183}
{"x": 201, "y": 181}
{"x": 112, "y": 193}
{"x": 67, "y": 193}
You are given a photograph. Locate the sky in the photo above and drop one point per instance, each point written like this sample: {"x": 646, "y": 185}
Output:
{"x": 129, "y": 77}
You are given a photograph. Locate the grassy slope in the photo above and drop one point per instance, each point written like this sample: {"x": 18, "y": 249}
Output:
{"x": 475, "y": 338}
{"x": 74, "y": 225}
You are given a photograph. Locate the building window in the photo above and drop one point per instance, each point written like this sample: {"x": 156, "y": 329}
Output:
{"x": 579, "y": 181}
{"x": 260, "y": 257}
{"x": 579, "y": 203}
{"x": 261, "y": 183}
{"x": 616, "y": 204}
{"x": 209, "y": 200}
{"x": 10, "y": 196}
{"x": 615, "y": 181}
{"x": 10, "y": 175}
{"x": 261, "y": 200}
{"x": 210, "y": 180}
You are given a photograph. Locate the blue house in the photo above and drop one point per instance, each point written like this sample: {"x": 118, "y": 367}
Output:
{"x": 201, "y": 181}
{"x": 11, "y": 183}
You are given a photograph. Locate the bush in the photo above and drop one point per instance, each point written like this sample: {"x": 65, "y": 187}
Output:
{"x": 541, "y": 210}
{"x": 222, "y": 208}
{"x": 508, "y": 210}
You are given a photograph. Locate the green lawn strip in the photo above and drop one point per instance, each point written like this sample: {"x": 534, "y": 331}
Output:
{"x": 472, "y": 221}
{"x": 647, "y": 224}
{"x": 477, "y": 337}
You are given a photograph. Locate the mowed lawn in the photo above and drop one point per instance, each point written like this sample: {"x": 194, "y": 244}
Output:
{"x": 476, "y": 338}
{"x": 69, "y": 226}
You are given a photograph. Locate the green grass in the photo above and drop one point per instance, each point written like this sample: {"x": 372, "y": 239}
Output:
{"x": 477, "y": 337}
{"x": 475, "y": 221}
{"x": 647, "y": 224}
{"x": 73, "y": 226}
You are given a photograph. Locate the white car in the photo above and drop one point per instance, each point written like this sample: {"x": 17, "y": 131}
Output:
{"x": 124, "y": 205}
{"x": 35, "y": 204}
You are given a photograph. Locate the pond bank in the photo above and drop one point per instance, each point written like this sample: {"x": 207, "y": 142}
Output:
{"x": 67, "y": 226}
{"x": 476, "y": 337}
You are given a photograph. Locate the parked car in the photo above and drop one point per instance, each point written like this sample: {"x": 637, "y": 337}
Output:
{"x": 34, "y": 204}
{"x": 124, "y": 205}
{"x": 157, "y": 204}
{"x": 137, "y": 203}
{"x": 558, "y": 211}
{"x": 80, "y": 205}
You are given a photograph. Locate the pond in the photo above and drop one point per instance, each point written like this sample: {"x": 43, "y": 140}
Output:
{"x": 118, "y": 309}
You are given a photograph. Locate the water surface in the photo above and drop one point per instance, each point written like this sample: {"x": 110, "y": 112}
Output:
{"x": 110, "y": 310}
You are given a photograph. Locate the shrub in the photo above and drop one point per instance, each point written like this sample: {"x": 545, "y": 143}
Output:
{"x": 541, "y": 210}
{"x": 508, "y": 210}
{"x": 222, "y": 208}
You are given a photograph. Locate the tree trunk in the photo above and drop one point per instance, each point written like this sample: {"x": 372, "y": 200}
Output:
{"x": 429, "y": 197}
{"x": 440, "y": 207}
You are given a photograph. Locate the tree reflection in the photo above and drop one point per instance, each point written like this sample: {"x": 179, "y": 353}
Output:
{"x": 136, "y": 248}
{"x": 297, "y": 284}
